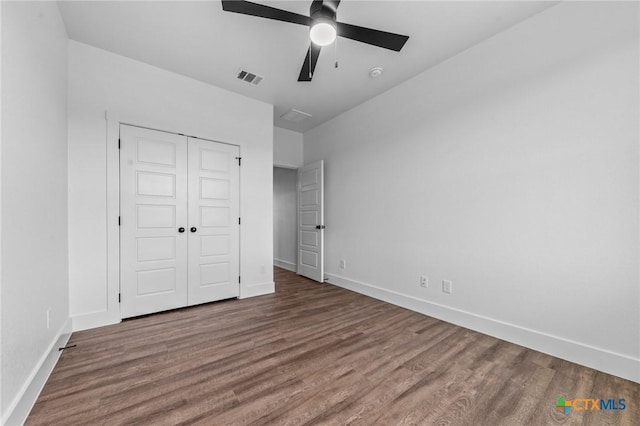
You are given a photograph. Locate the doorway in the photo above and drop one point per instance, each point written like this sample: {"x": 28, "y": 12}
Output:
{"x": 298, "y": 220}
{"x": 285, "y": 224}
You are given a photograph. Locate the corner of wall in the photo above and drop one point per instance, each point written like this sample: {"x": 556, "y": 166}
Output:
{"x": 19, "y": 409}
{"x": 35, "y": 122}
{"x": 289, "y": 266}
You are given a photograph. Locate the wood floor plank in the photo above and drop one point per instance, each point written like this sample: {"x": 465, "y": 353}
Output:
{"x": 313, "y": 354}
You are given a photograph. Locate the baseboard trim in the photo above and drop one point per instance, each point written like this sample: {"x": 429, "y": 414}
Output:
{"x": 259, "y": 289}
{"x": 600, "y": 359}
{"x": 20, "y": 407}
{"x": 93, "y": 320}
{"x": 285, "y": 265}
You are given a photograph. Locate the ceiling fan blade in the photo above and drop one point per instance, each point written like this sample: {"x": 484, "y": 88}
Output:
{"x": 378, "y": 38}
{"x": 255, "y": 9}
{"x": 310, "y": 61}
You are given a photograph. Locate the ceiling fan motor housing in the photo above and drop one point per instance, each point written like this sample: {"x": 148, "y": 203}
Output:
{"x": 320, "y": 12}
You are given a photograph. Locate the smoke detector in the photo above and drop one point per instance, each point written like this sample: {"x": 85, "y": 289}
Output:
{"x": 375, "y": 72}
{"x": 249, "y": 77}
{"x": 295, "y": 116}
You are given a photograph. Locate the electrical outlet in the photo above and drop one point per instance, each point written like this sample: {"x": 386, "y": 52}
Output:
{"x": 424, "y": 281}
{"x": 447, "y": 286}
{"x": 49, "y": 318}
{"x": 343, "y": 264}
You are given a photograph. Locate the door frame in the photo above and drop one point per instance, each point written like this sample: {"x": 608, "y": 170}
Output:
{"x": 111, "y": 313}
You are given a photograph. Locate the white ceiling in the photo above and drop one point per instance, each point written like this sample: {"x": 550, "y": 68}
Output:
{"x": 199, "y": 40}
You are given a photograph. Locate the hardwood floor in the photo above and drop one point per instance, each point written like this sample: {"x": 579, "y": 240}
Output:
{"x": 314, "y": 354}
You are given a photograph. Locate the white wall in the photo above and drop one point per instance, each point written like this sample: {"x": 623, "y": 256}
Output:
{"x": 284, "y": 218}
{"x": 287, "y": 148}
{"x": 140, "y": 94}
{"x": 34, "y": 197}
{"x": 512, "y": 170}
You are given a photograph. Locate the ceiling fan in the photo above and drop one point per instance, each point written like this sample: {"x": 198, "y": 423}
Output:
{"x": 323, "y": 28}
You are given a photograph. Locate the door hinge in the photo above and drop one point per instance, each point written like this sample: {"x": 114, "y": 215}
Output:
{"x": 118, "y": 143}
{"x": 239, "y": 160}
{"x": 238, "y": 221}
{"x": 118, "y": 220}
{"x": 238, "y": 279}
{"x": 119, "y": 298}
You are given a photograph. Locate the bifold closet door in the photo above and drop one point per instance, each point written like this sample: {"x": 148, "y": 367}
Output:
{"x": 214, "y": 231}
{"x": 153, "y": 211}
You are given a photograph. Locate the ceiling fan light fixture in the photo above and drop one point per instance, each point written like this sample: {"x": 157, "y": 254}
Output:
{"x": 323, "y": 28}
{"x": 323, "y": 32}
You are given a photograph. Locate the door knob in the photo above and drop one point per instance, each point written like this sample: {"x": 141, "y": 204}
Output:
{"x": 181, "y": 230}
{"x": 193, "y": 229}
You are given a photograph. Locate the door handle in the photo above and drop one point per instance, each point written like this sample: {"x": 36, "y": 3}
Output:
{"x": 319, "y": 226}
{"x": 193, "y": 229}
{"x": 181, "y": 230}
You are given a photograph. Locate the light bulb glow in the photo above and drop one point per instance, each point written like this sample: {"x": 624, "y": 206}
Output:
{"x": 322, "y": 33}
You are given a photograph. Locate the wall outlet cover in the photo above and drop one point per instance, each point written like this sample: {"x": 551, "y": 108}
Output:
{"x": 424, "y": 281}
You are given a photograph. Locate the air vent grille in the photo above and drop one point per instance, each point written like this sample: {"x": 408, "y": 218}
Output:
{"x": 295, "y": 116}
{"x": 249, "y": 77}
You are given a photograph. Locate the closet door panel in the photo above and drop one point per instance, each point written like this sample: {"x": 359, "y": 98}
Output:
{"x": 214, "y": 231}
{"x": 153, "y": 206}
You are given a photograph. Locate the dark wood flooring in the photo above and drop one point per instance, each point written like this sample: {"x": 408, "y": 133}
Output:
{"x": 314, "y": 354}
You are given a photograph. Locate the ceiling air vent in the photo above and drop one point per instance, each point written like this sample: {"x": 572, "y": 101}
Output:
{"x": 249, "y": 77}
{"x": 295, "y": 116}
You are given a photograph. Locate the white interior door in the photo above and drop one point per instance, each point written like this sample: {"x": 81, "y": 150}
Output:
{"x": 311, "y": 221}
{"x": 153, "y": 210}
{"x": 179, "y": 221}
{"x": 214, "y": 267}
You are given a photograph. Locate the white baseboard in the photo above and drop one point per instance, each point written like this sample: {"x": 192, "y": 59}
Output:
{"x": 21, "y": 406}
{"x": 93, "y": 320}
{"x": 257, "y": 289}
{"x": 289, "y": 266}
{"x": 600, "y": 359}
